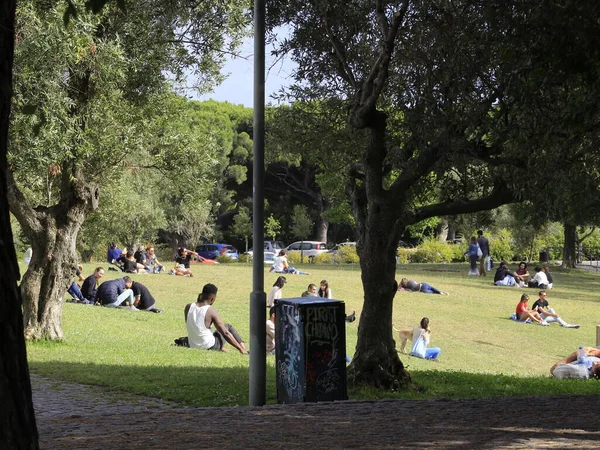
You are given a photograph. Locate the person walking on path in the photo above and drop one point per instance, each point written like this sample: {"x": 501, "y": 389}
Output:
{"x": 484, "y": 246}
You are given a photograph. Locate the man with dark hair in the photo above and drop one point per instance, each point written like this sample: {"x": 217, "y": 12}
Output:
{"x": 89, "y": 289}
{"x": 199, "y": 318}
{"x": 549, "y": 314}
{"x": 142, "y": 298}
{"x": 484, "y": 245}
{"x": 505, "y": 277}
{"x": 114, "y": 293}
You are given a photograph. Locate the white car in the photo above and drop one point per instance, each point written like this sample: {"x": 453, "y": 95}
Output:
{"x": 271, "y": 250}
{"x": 308, "y": 248}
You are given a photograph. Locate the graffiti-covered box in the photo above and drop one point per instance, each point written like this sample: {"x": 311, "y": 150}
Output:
{"x": 310, "y": 350}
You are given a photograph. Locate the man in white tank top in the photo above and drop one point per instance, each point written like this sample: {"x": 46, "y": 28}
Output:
{"x": 199, "y": 318}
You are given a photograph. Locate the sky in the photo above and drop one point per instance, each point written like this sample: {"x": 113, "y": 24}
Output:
{"x": 238, "y": 87}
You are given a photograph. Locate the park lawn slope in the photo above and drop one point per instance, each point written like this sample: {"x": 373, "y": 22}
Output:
{"x": 483, "y": 352}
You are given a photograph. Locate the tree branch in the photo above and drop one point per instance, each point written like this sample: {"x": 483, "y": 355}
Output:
{"x": 500, "y": 195}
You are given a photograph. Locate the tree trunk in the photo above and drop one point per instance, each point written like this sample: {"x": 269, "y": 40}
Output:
{"x": 569, "y": 247}
{"x": 18, "y": 429}
{"x": 442, "y": 230}
{"x": 52, "y": 232}
{"x": 322, "y": 220}
{"x": 376, "y": 360}
{"x": 49, "y": 275}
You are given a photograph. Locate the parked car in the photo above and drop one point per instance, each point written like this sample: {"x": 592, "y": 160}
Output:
{"x": 308, "y": 248}
{"x": 213, "y": 251}
{"x": 271, "y": 250}
{"x": 200, "y": 260}
{"x": 336, "y": 249}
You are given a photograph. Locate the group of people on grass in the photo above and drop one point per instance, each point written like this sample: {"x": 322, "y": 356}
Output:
{"x": 540, "y": 312}
{"x": 120, "y": 292}
{"x": 143, "y": 260}
{"x": 521, "y": 277}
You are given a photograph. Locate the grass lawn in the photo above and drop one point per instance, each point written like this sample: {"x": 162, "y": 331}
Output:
{"x": 483, "y": 352}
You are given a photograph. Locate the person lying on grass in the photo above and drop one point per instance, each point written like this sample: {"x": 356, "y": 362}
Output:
{"x": 411, "y": 285}
{"x": 199, "y": 318}
{"x": 592, "y": 362}
{"x": 524, "y": 313}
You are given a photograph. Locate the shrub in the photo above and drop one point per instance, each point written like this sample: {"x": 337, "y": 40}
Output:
{"x": 245, "y": 259}
{"x": 347, "y": 255}
{"x": 224, "y": 259}
{"x": 404, "y": 255}
{"x": 501, "y": 245}
{"x": 294, "y": 257}
{"x": 458, "y": 252}
{"x": 433, "y": 251}
{"x": 323, "y": 258}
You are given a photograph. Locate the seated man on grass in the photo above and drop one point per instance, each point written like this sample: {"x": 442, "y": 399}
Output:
{"x": 199, "y": 318}
{"x": 505, "y": 277}
{"x": 116, "y": 293}
{"x": 143, "y": 299}
{"x": 548, "y": 314}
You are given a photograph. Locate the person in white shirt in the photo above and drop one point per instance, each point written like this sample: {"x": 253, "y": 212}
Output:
{"x": 276, "y": 291}
{"x": 199, "y": 318}
{"x": 281, "y": 265}
{"x": 540, "y": 280}
{"x": 271, "y": 331}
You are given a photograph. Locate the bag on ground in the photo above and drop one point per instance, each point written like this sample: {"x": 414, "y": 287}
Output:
{"x": 571, "y": 372}
{"x": 419, "y": 347}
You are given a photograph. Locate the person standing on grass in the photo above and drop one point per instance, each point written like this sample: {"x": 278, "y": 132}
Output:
{"x": 548, "y": 314}
{"x": 472, "y": 251}
{"x": 114, "y": 293}
{"x": 484, "y": 245}
{"x": 524, "y": 313}
{"x": 201, "y": 316}
{"x": 89, "y": 289}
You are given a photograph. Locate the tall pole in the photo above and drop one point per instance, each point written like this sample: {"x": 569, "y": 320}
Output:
{"x": 258, "y": 303}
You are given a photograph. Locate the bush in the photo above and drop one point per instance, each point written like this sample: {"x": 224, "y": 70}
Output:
{"x": 224, "y": 259}
{"x": 501, "y": 245}
{"x": 294, "y": 257}
{"x": 323, "y": 258}
{"x": 433, "y": 251}
{"x": 458, "y": 252}
{"x": 245, "y": 259}
{"x": 347, "y": 255}
{"x": 404, "y": 255}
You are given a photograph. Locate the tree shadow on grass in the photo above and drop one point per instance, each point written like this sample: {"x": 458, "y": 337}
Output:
{"x": 187, "y": 386}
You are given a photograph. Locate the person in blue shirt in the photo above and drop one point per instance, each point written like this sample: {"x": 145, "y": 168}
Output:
{"x": 473, "y": 251}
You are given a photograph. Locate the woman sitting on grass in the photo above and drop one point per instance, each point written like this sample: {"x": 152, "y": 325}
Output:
{"x": 525, "y": 314}
{"x": 281, "y": 265}
{"x": 423, "y": 332}
{"x": 411, "y": 285}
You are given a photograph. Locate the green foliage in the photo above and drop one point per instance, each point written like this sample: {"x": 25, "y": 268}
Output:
{"x": 433, "y": 251}
{"x": 272, "y": 227}
{"x": 325, "y": 258}
{"x": 404, "y": 255}
{"x": 501, "y": 245}
{"x": 302, "y": 224}
{"x": 348, "y": 255}
{"x": 294, "y": 257}
{"x": 224, "y": 259}
{"x": 242, "y": 225}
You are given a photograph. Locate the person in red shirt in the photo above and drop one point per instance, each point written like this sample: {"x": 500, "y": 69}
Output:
{"x": 524, "y": 313}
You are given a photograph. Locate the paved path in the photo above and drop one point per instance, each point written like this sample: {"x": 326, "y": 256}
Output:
{"x": 73, "y": 416}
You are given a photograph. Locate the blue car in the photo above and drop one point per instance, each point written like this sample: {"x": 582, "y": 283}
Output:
{"x": 213, "y": 251}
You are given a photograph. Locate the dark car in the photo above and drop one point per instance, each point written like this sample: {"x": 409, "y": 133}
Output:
{"x": 213, "y": 251}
